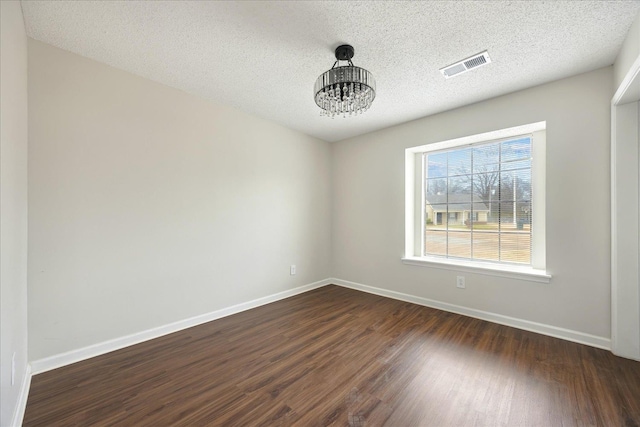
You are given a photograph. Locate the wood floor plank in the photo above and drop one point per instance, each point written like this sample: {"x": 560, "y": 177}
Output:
{"x": 335, "y": 356}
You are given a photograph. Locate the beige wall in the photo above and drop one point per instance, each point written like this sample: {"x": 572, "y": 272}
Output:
{"x": 368, "y": 206}
{"x": 150, "y": 206}
{"x": 13, "y": 206}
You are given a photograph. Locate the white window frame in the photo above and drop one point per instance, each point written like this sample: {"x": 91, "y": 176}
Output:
{"x": 414, "y": 207}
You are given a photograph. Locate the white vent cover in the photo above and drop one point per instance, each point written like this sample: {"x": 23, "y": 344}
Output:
{"x": 465, "y": 65}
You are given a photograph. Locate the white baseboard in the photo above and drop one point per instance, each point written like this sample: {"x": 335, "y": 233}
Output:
{"x": 540, "y": 328}
{"x": 63, "y": 359}
{"x": 21, "y": 404}
{"x": 73, "y": 356}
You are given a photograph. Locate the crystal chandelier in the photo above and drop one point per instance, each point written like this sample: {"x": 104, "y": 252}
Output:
{"x": 344, "y": 89}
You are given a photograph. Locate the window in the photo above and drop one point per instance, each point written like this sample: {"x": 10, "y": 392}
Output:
{"x": 485, "y": 190}
{"x": 478, "y": 203}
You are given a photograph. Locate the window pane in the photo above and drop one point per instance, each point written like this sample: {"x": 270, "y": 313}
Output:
{"x": 516, "y": 149}
{"x": 436, "y": 216}
{"x": 460, "y": 186}
{"x": 436, "y": 165}
{"x": 486, "y": 158}
{"x": 523, "y": 217}
{"x": 459, "y": 162}
{"x": 486, "y": 245}
{"x": 506, "y": 185}
{"x": 435, "y": 242}
{"x": 523, "y": 184}
{"x": 506, "y": 218}
{"x": 482, "y": 217}
{"x": 460, "y": 244}
{"x": 516, "y": 247}
{"x": 523, "y": 212}
{"x": 486, "y": 189}
{"x": 517, "y": 164}
{"x": 437, "y": 190}
{"x": 459, "y": 214}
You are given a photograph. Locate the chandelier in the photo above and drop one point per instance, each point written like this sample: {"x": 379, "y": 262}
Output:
{"x": 344, "y": 89}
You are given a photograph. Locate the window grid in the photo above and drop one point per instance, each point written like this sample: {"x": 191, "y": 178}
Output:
{"x": 472, "y": 218}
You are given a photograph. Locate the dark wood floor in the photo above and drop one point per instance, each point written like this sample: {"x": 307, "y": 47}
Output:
{"x": 335, "y": 356}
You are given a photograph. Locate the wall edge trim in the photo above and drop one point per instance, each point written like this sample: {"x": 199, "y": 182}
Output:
{"x": 23, "y": 396}
{"x": 625, "y": 84}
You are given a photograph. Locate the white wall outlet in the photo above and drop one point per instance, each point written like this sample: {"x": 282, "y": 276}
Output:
{"x": 13, "y": 368}
{"x": 460, "y": 282}
{"x": 292, "y": 270}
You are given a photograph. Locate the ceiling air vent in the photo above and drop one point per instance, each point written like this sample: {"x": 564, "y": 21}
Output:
{"x": 466, "y": 64}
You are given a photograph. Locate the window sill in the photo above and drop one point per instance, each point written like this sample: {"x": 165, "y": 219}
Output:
{"x": 512, "y": 272}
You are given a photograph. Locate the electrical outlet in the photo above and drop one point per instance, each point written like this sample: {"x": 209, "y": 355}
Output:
{"x": 13, "y": 368}
{"x": 292, "y": 271}
{"x": 460, "y": 282}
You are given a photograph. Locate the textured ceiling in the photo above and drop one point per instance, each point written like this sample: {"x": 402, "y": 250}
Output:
{"x": 263, "y": 57}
